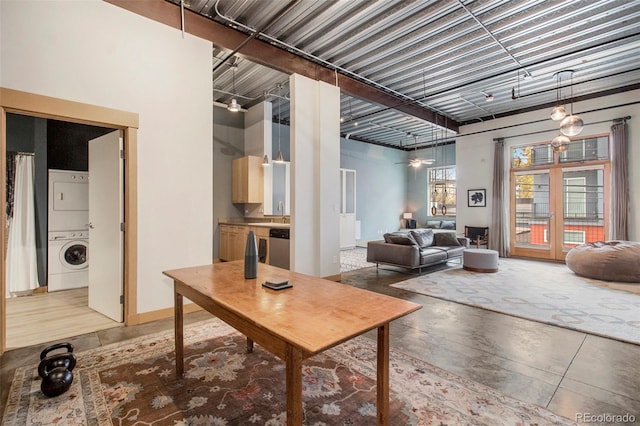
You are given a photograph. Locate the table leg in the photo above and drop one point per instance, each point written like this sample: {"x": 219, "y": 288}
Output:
{"x": 179, "y": 331}
{"x": 294, "y": 386}
{"x": 249, "y": 345}
{"x": 382, "y": 382}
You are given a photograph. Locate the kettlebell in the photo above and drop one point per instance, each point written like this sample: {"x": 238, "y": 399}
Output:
{"x": 56, "y": 370}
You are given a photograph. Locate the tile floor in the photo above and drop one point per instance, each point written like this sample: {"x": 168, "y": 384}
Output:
{"x": 569, "y": 372}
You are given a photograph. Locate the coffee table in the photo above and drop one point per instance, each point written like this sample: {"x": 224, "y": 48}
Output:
{"x": 293, "y": 324}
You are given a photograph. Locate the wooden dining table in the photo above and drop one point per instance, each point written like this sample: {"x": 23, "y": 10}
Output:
{"x": 296, "y": 323}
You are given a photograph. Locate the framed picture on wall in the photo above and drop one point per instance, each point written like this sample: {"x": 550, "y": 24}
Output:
{"x": 476, "y": 197}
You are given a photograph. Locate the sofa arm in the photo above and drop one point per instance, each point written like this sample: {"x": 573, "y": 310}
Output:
{"x": 397, "y": 254}
{"x": 464, "y": 242}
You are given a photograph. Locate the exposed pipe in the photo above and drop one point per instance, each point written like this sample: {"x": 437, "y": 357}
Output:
{"x": 539, "y": 62}
{"x": 255, "y": 33}
{"x": 318, "y": 59}
{"x": 526, "y": 72}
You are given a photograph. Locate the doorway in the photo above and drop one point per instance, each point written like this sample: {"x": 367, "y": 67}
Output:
{"x": 41, "y": 106}
{"x": 559, "y": 199}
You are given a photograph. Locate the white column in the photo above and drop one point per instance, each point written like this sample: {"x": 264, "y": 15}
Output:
{"x": 315, "y": 177}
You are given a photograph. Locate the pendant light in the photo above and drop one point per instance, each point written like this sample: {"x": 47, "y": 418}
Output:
{"x": 572, "y": 125}
{"x": 234, "y": 106}
{"x": 558, "y": 112}
{"x": 444, "y": 169}
{"x": 434, "y": 202}
{"x": 279, "y": 158}
{"x": 559, "y": 143}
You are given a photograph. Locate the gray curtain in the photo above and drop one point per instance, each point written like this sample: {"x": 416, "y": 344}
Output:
{"x": 619, "y": 181}
{"x": 499, "y": 231}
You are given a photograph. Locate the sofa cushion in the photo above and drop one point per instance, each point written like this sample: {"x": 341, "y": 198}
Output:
{"x": 446, "y": 239}
{"x": 455, "y": 251}
{"x": 433, "y": 224}
{"x": 448, "y": 224}
{"x": 423, "y": 237}
{"x": 430, "y": 256}
{"x": 403, "y": 238}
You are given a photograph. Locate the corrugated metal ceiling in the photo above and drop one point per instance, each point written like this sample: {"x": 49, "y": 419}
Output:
{"x": 447, "y": 56}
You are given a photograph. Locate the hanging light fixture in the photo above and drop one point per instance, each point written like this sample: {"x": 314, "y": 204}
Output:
{"x": 279, "y": 158}
{"x": 558, "y": 112}
{"x": 265, "y": 160}
{"x": 572, "y": 125}
{"x": 444, "y": 169}
{"x": 560, "y": 143}
{"x": 434, "y": 202}
{"x": 234, "y": 106}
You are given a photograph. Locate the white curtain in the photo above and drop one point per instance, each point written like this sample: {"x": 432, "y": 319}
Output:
{"x": 22, "y": 268}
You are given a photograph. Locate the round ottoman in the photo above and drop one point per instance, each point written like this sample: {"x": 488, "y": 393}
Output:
{"x": 606, "y": 260}
{"x": 480, "y": 260}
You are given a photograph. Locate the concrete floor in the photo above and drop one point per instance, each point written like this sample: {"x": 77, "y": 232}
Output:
{"x": 569, "y": 372}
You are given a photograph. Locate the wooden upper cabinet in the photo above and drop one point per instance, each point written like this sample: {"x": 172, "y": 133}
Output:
{"x": 247, "y": 179}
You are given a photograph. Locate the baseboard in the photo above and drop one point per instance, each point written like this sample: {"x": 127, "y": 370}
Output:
{"x": 161, "y": 314}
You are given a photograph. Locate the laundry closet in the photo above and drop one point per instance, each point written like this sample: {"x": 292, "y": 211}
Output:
{"x": 60, "y": 210}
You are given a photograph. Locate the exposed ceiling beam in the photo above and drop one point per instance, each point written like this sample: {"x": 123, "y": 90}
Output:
{"x": 271, "y": 56}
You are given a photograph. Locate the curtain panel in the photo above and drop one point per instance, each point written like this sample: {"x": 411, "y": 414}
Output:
{"x": 619, "y": 181}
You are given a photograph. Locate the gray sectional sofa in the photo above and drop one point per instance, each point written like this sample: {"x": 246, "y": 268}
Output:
{"x": 416, "y": 248}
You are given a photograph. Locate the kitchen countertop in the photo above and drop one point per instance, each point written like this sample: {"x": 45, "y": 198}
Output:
{"x": 261, "y": 224}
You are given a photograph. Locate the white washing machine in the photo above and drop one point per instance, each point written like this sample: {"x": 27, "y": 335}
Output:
{"x": 68, "y": 260}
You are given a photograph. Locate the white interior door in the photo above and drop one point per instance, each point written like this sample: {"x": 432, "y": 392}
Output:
{"x": 106, "y": 214}
{"x": 347, "y": 208}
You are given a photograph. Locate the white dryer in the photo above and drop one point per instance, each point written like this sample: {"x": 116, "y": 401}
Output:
{"x": 68, "y": 260}
{"x": 68, "y": 200}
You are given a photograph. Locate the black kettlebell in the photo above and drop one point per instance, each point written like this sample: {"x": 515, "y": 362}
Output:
{"x": 56, "y": 370}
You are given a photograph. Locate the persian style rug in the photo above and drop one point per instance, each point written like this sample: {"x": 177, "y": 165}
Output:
{"x": 540, "y": 291}
{"x": 134, "y": 383}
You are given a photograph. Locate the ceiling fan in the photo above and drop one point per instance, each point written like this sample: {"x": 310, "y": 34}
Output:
{"x": 416, "y": 161}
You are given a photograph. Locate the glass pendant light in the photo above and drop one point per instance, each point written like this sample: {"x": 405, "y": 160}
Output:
{"x": 558, "y": 112}
{"x": 559, "y": 143}
{"x": 571, "y": 125}
{"x": 279, "y": 158}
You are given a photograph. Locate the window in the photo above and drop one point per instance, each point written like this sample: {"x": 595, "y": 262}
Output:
{"x": 442, "y": 191}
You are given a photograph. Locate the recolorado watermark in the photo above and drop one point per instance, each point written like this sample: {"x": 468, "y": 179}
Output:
{"x": 605, "y": 418}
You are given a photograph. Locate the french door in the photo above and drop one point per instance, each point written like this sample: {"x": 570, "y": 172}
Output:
{"x": 557, "y": 208}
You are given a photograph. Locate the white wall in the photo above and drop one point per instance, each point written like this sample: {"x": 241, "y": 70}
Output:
{"x": 96, "y": 53}
{"x": 475, "y": 147}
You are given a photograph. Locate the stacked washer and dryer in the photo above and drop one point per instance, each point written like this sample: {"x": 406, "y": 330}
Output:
{"x": 68, "y": 263}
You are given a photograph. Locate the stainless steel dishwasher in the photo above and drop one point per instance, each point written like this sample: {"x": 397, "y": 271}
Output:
{"x": 279, "y": 247}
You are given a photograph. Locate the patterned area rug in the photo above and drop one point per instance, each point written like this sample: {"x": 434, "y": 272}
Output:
{"x": 355, "y": 258}
{"x": 540, "y": 291}
{"x": 134, "y": 383}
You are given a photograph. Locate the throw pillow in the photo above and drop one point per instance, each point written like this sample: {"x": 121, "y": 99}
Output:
{"x": 446, "y": 239}
{"x": 402, "y": 239}
{"x": 448, "y": 224}
{"x": 424, "y": 238}
{"x": 434, "y": 224}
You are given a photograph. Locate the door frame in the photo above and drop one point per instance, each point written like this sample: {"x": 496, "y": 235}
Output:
{"x": 555, "y": 251}
{"x": 15, "y": 101}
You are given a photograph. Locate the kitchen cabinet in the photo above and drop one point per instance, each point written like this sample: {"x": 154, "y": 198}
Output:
{"x": 233, "y": 239}
{"x": 247, "y": 180}
{"x": 232, "y": 242}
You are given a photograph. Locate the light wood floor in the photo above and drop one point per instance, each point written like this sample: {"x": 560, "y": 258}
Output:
{"x": 44, "y": 317}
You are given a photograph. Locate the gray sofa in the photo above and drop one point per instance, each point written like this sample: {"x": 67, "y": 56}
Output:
{"x": 416, "y": 248}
